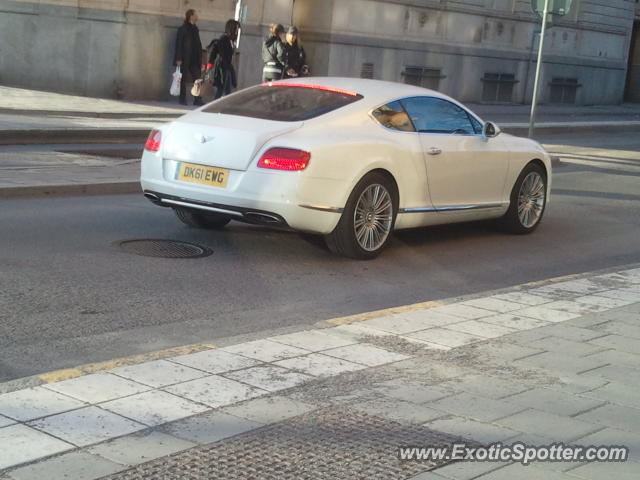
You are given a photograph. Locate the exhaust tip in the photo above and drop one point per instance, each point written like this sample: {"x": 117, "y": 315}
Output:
{"x": 262, "y": 218}
{"x": 154, "y": 198}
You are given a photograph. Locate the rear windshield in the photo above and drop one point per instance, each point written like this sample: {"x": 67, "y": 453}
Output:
{"x": 284, "y": 104}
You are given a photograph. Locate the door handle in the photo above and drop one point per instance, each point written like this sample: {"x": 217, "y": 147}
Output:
{"x": 434, "y": 151}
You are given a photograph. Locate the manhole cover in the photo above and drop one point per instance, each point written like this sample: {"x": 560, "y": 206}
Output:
{"x": 149, "y": 247}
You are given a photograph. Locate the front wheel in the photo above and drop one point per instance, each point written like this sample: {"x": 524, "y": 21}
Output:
{"x": 201, "y": 220}
{"x": 368, "y": 218}
{"x": 528, "y": 200}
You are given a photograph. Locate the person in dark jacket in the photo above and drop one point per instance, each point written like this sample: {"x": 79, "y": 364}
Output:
{"x": 295, "y": 64}
{"x": 221, "y": 59}
{"x": 188, "y": 55}
{"x": 273, "y": 54}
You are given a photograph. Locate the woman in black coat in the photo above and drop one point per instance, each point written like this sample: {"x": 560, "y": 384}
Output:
{"x": 221, "y": 59}
{"x": 189, "y": 55}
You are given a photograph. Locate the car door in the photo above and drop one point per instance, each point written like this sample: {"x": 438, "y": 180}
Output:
{"x": 465, "y": 169}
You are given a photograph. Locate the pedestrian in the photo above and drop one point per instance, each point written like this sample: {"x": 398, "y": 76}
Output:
{"x": 273, "y": 54}
{"x": 221, "y": 52}
{"x": 295, "y": 59}
{"x": 188, "y": 55}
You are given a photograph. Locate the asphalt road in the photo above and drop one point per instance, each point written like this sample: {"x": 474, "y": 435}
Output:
{"x": 69, "y": 296}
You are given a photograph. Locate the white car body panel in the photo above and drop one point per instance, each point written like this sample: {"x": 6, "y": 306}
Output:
{"x": 471, "y": 179}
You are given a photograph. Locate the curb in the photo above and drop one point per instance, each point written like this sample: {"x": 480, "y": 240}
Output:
{"x": 139, "y": 135}
{"x": 75, "y": 136}
{"x": 551, "y": 128}
{"x": 110, "y": 188}
{"x": 86, "y": 369}
{"x": 85, "y": 114}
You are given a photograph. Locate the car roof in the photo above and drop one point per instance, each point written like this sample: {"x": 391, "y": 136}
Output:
{"x": 370, "y": 89}
{"x": 375, "y": 92}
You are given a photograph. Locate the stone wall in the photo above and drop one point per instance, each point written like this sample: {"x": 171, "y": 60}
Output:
{"x": 124, "y": 48}
{"x": 116, "y": 48}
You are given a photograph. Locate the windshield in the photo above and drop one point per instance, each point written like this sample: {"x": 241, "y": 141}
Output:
{"x": 283, "y": 103}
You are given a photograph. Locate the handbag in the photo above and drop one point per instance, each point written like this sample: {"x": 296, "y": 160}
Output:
{"x": 196, "y": 90}
{"x": 174, "y": 90}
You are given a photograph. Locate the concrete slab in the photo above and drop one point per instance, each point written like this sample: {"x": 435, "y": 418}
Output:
{"x": 209, "y": 427}
{"x": 463, "y": 311}
{"x": 481, "y": 328}
{"x": 410, "y": 391}
{"x": 269, "y": 378}
{"x": 446, "y": 337}
{"x": 270, "y": 409}
{"x": 515, "y": 322}
{"x": 35, "y": 402}
{"x": 598, "y": 471}
{"x": 87, "y": 426}
{"x": 313, "y": 340}
{"x": 475, "y": 407}
{"x": 265, "y": 350}
{"x": 73, "y": 465}
{"x": 366, "y": 355}
{"x": 554, "y": 401}
{"x": 159, "y": 373}
{"x": 615, "y": 416}
{"x": 21, "y": 444}
{"x": 548, "y": 425}
{"x": 319, "y": 365}
{"x": 547, "y": 314}
{"x": 494, "y": 304}
{"x": 525, "y": 298}
{"x": 97, "y": 387}
{"x": 473, "y": 430}
{"x": 215, "y": 391}
{"x": 215, "y": 361}
{"x": 154, "y": 408}
{"x": 140, "y": 447}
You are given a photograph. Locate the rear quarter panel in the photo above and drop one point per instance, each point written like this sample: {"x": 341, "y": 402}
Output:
{"x": 343, "y": 150}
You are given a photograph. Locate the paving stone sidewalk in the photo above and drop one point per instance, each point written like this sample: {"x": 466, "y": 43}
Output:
{"x": 555, "y": 361}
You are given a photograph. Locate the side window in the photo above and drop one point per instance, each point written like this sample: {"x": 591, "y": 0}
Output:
{"x": 393, "y": 116}
{"x": 435, "y": 115}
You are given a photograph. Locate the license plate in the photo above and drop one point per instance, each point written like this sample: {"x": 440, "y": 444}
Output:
{"x": 190, "y": 172}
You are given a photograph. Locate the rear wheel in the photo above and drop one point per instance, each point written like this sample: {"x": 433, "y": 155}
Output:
{"x": 528, "y": 200}
{"x": 368, "y": 218}
{"x": 201, "y": 220}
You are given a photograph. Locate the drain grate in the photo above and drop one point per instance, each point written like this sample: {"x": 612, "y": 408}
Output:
{"x": 328, "y": 444}
{"x": 149, "y": 247}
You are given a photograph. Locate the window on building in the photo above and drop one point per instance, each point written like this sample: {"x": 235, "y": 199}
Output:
{"x": 563, "y": 90}
{"x": 435, "y": 115}
{"x": 367, "y": 70}
{"x": 423, "y": 77}
{"x": 394, "y": 116}
{"x": 498, "y": 87}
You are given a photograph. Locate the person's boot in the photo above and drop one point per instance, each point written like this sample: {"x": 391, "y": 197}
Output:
{"x": 197, "y": 101}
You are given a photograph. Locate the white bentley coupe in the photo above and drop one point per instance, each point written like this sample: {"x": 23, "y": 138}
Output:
{"x": 349, "y": 159}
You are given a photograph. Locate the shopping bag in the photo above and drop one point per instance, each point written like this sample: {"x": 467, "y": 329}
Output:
{"x": 175, "y": 83}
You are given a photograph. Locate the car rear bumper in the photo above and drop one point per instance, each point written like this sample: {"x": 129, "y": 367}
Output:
{"x": 285, "y": 199}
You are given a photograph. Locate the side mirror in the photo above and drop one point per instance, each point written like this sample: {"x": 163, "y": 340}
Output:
{"x": 490, "y": 130}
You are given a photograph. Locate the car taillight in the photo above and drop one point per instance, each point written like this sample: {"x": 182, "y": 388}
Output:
{"x": 153, "y": 142}
{"x": 284, "y": 159}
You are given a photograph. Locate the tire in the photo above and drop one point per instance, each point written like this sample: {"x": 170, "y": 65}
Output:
{"x": 211, "y": 221}
{"x": 363, "y": 232}
{"x": 527, "y": 202}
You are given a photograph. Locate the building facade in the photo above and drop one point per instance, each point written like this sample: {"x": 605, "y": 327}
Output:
{"x": 474, "y": 50}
